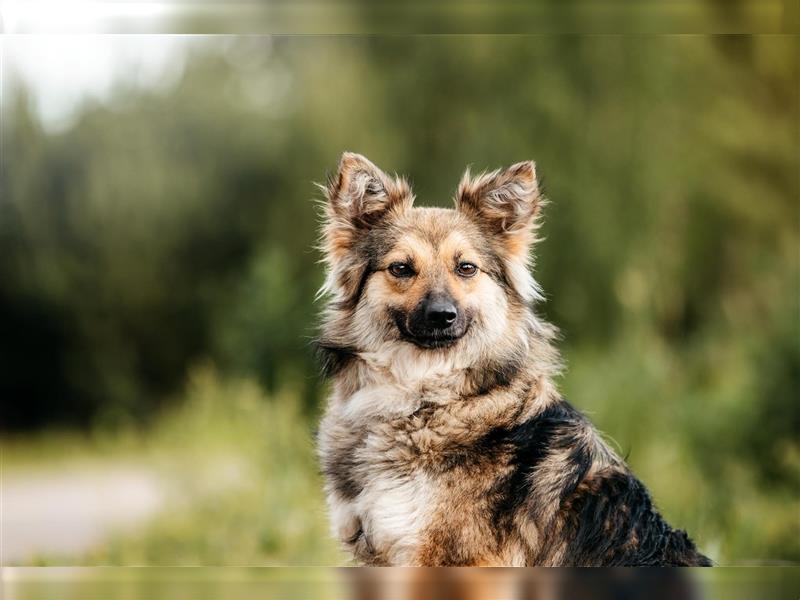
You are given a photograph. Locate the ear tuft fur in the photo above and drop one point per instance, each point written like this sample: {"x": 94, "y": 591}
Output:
{"x": 360, "y": 193}
{"x": 507, "y": 201}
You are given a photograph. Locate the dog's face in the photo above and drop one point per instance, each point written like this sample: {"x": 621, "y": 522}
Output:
{"x": 438, "y": 279}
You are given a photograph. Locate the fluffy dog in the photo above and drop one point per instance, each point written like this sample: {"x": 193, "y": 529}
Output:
{"x": 445, "y": 441}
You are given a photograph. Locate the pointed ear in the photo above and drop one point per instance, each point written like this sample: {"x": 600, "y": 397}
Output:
{"x": 505, "y": 203}
{"x": 358, "y": 197}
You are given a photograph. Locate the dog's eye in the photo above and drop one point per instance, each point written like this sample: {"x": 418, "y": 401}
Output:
{"x": 466, "y": 269}
{"x": 401, "y": 270}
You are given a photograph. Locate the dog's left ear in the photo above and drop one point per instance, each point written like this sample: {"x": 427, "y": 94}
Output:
{"x": 505, "y": 203}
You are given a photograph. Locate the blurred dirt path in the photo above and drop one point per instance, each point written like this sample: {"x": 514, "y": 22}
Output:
{"x": 70, "y": 510}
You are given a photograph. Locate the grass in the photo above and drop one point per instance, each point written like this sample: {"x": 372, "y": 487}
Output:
{"x": 244, "y": 489}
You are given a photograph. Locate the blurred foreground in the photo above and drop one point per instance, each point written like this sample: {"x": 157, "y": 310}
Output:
{"x": 225, "y": 478}
{"x": 404, "y": 584}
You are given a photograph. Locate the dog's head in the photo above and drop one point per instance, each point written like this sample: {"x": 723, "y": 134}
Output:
{"x": 442, "y": 280}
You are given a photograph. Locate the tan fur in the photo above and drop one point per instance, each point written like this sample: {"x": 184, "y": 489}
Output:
{"x": 404, "y": 482}
{"x": 398, "y": 409}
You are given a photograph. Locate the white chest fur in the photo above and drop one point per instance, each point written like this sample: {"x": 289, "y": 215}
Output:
{"x": 394, "y": 512}
{"x": 396, "y": 496}
{"x": 393, "y": 502}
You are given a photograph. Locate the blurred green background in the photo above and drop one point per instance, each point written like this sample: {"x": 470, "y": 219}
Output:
{"x": 158, "y": 270}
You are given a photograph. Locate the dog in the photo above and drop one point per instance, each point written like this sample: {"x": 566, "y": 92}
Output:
{"x": 444, "y": 441}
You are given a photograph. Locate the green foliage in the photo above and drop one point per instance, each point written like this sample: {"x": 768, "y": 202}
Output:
{"x": 272, "y": 514}
{"x": 171, "y": 226}
{"x": 242, "y": 483}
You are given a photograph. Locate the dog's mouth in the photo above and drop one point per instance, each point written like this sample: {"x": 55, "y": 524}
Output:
{"x": 431, "y": 342}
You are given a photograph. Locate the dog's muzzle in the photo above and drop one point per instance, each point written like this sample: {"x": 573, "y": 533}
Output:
{"x": 436, "y": 322}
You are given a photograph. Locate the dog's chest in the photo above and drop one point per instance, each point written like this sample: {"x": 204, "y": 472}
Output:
{"x": 392, "y": 494}
{"x": 393, "y": 511}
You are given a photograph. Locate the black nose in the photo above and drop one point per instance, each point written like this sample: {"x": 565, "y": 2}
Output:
{"x": 440, "y": 313}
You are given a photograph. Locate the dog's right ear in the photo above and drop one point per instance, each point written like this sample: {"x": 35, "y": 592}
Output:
{"x": 358, "y": 197}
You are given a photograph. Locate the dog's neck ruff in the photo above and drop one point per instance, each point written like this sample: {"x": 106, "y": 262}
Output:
{"x": 400, "y": 379}
{"x": 397, "y": 380}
